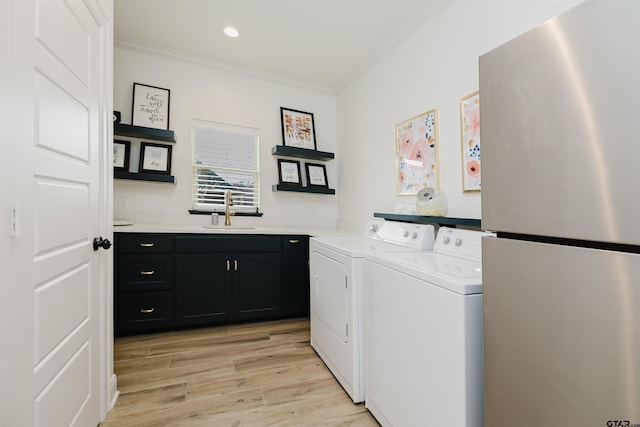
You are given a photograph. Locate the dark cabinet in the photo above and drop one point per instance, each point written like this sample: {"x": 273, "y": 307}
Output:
{"x": 166, "y": 281}
{"x": 295, "y": 263}
{"x": 144, "y": 282}
{"x": 223, "y": 279}
{"x": 256, "y": 283}
{"x": 203, "y": 294}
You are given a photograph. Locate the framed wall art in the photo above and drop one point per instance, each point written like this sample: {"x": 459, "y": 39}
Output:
{"x": 298, "y": 129}
{"x": 155, "y": 158}
{"x": 417, "y": 153}
{"x": 316, "y": 175}
{"x": 150, "y": 106}
{"x": 470, "y": 137}
{"x": 289, "y": 172}
{"x": 121, "y": 150}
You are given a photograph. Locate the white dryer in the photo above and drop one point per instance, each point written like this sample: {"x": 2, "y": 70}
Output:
{"x": 336, "y": 266}
{"x": 424, "y": 343}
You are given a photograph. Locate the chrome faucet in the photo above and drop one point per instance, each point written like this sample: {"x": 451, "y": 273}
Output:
{"x": 228, "y": 201}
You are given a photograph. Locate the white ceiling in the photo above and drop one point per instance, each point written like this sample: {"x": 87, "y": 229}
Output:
{"x": 320, "y": 43}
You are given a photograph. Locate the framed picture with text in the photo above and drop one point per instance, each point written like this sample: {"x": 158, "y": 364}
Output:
{"x": 155, "y": 158}
{"x": 289, "y": 172}
{"x": 316, "y": 175}
{"x": 121, "y": 150}
{"x": 150, "y": 106}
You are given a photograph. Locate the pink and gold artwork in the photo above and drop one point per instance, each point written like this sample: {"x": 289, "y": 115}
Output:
{"x": 416, "y": 152}
{"x": 470, "y": 131}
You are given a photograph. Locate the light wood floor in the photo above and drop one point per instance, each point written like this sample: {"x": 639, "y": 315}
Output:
{"x": 259, "y": 374}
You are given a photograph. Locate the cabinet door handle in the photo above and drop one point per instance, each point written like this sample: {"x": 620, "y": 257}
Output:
{"x": 147, "y": 310}
{"x": 147, "y": 273}
{"x": 294, "y": 241}
{"x": 235, "y": 265}
{"x": 228, "y": 266}
{"x": 147, "y": 245}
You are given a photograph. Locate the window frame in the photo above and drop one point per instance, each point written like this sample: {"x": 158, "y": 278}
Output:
{"x": 222, "y": 173}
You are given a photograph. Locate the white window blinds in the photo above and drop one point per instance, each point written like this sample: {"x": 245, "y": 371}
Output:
{"x": 225, "y": 157}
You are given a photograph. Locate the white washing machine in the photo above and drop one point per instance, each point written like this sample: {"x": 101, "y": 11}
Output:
{"x": 336, "y": 266}
{"x": 424, "y": 348}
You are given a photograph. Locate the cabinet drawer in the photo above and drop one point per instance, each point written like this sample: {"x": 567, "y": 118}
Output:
{"x": 145, "y": 243}
{"x": 145, "y": 311}
{"x": 203, "y": 243}
{"x": 144, "y": 272}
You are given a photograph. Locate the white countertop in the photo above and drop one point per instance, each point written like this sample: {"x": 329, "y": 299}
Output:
{"x": 221, "y": 229}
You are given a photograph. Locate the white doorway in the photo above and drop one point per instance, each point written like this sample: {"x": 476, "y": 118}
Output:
{"x": 56, "y": 364}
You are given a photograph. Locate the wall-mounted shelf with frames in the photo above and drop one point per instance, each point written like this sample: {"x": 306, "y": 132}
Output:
{"x": 302, "y": 153}
{"x": 134, "y": 135}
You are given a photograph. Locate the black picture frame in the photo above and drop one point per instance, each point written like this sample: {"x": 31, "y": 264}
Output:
{"x": 155, "y": 158}
{"x": 121, "y": 155}
{"x": 316, "y": 175}
{"x": 298, "y": 129}
{"x": 289, "y": 172}
{"x": 150, "y": 106}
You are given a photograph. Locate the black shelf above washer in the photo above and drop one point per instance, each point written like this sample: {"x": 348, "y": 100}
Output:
{"x": 440, "y": 220}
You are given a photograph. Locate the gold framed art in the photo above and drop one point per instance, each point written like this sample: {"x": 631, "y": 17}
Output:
{"x": 417, "y": 153}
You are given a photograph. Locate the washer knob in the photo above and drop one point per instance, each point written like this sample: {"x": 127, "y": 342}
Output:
{"x": 414, "y": 235}
{"x": 446, "y": 240}
{"x": 405, "y": 234}
{"x": 458, "y": 242}
{"x": 373, "y": 228}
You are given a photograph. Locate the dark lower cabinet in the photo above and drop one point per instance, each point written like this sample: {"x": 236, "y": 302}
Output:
{"x": 256, "y": 285}
{"x": 203, "y": 294}
{"x": 143, "y": 271}
{"x": 208, "y": 279}
{"x": 142, "y": 312}
{"x": 295, "y": 269}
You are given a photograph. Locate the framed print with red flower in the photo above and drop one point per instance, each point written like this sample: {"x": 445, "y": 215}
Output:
{"x": 417, "y": 153}
{"x": 470, "y": 134}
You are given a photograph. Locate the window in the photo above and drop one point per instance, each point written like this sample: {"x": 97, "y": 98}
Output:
{"x": 225, "y": 158}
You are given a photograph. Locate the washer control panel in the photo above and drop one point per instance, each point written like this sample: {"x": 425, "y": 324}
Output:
{"x": 460, "y": 243}
{"x": 417, "y": 236}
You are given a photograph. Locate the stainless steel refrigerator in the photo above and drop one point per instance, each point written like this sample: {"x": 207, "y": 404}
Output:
{"x": 560, "y": 134}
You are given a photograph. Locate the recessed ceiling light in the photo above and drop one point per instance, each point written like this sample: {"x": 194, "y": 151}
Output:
{"x": 231, "y": 32}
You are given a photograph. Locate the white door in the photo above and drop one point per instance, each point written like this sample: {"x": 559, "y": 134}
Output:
{"x": 54, "y": 101}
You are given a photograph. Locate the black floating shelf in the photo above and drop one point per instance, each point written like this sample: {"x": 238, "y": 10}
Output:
{"x": 440, "y": 220}
{"x": 300, "y": 189}
{"x": 143, "y": 132}
{"x": 305, "y": 153}
{"x": 144, "y": 177}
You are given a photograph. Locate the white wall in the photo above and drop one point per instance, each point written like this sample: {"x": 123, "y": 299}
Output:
{"x": 204, "y": 92}
{"x": 435, "y": 67}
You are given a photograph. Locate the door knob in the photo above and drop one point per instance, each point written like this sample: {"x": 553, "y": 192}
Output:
{"x": 99, "y": 242}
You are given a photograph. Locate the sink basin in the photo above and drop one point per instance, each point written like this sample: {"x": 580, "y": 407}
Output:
{"x": 227, "y": 228}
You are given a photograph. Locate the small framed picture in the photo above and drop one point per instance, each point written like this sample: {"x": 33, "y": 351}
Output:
{"x": 121, "y": 155}
{"x": 316, "y": 175}
{"x": 289, "y": 172}
{"x": 155, "y": 158}
{"x": 298, "y": 129}
{"x": 150, "y": 106}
